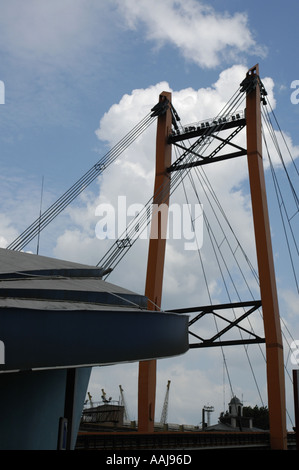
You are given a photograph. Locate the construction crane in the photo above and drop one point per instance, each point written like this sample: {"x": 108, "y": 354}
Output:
{"x": 123, "y": 403}
{"x": 164, "y": 413}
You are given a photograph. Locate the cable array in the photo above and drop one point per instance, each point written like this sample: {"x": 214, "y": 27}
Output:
{"x": 77, "y": 188}
{"x": 284, "y": 212}
{"x": 137, "y": 226}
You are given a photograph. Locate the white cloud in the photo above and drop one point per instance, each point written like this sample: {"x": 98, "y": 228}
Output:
{"x": 132, "y": 176}
{"x": 8, "y": 233}
{"x": 201, "y": 34}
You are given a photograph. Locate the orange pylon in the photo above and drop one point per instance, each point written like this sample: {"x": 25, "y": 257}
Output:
{"x": 155, "y": 267}
{"x": 273, "y": 337}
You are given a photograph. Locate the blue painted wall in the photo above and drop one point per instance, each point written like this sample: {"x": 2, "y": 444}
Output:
{"x": 31, "y": 404}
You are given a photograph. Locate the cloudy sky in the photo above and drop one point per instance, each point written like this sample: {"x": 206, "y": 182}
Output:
{"x": 79, "y": 75}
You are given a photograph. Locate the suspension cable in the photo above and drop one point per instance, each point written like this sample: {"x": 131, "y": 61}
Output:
{"x": 210, "y": 297}
{"x": 39, "y": 224}
{"x": 122, "y": 245}
{"x": 271, "y": 130}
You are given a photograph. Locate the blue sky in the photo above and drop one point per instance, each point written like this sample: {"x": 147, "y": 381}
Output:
{"x": 78, "y": 75}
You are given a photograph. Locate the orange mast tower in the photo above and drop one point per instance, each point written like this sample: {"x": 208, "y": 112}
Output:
{"x": 274, "y": 346}
{"x": 269, "y": 300}
{"x": 156, "y": 256}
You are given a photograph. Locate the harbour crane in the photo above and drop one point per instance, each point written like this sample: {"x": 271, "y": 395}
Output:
{"x": 90, "y": 400}
{"x": 105, "y": 400}
{"x": 124, "y": 404}
{"x": 164, "y": 413}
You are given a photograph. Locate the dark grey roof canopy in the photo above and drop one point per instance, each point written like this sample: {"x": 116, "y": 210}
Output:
{"x": 56, "y": 313}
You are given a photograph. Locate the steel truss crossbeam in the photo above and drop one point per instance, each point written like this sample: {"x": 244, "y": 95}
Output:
{"x": 177, "y": 165}
{"x": 206, "y": 160}
{"x": 215, "y": 340}
{"x": 206, "y": 130}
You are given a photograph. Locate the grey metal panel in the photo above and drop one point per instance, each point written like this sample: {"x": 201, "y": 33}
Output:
{"x": 49, "y": 339}
{"x": 49, "y": 321}
{"x": 58, "y": 272}
{"x": 15, "y": 261}
{"x": 45, "y": 304}
{"x": 69, "y": 291}
{"x": 24, "y": 275}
